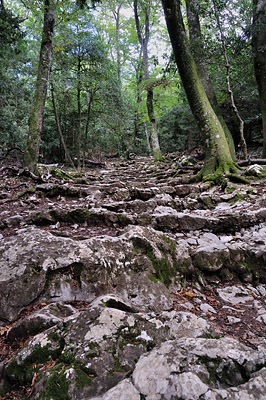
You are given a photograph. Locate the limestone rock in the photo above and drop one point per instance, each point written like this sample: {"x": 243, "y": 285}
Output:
{"x": 41, "y": 320}
{"x": 188, "y": 368}
{"x": 124, "y": 390}
{"x": 211, "y": 253}
{"x": 138, "y": 264}
{"x": 103, "y": 342}
{"x": 235, "y": 295}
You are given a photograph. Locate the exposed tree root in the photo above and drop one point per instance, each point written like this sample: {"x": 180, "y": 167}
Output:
{"x": 217, "y": 174}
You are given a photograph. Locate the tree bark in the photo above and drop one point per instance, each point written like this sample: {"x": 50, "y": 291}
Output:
{"x": 144, "y": 40}
{"x": 218, "y": 161}
{"x": 136, "y": 113}
{"x": 197, "y": 45}
{"x": 79, "y": 111}
{"x": 229, "y": 89}
{"x": 118, "y": 44}
{"x": 67, "y": 155}
{"x": 259, "y": 50}
{"x": 147, "y": 138}
{"x": 31, "y": 153}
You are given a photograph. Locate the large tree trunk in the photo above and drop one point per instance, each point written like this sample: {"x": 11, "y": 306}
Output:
{"x": 218, "y": 161}
{"x": 31, "y": 153}
{"x": 259, "y": 50}
{"x": 200, "y": 58}
{"x": 144, "y": 40}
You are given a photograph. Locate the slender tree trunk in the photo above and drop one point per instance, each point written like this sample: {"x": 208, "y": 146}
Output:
{"x": 197, "y": 45}
{"x": 218, "y": 161}
{"x": 90, "y": 101}
{"x": 144, "y": 40}
{"x": 67, "y": 155}
{"x": 118, "y": 44}
{"x": 79, "y": 113}
{"x": 229, "y": 89}
{"x": 259, "y": 50}
{"x": 147, "y": 137}
{"x": 136, "y": 125}
{"x": 139, "y": 77}
{"x": 31, "y": 153}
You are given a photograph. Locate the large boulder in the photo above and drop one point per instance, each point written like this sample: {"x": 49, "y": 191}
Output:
{"x": 194, "y": 368}
{"x": 211, "y": 254}
{"x": 140, "y": 265}
{"x": 95, "y": 349}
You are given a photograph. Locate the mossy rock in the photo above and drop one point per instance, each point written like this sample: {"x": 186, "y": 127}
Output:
{"x": 60, "y": 174}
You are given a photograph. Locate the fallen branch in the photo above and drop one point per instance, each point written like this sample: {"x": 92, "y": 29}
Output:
{"x": 26, "y": 172}
{"x": 250, "y": 161}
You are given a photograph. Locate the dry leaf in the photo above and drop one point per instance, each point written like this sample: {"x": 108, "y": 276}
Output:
{"x": 190, "y": 294}
{"x": 211, "y": 299}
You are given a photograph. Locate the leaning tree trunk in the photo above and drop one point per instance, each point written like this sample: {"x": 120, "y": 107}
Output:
{"x": 259, "y": 50}
{"x": 144, "y": 40}
{"x": 218, "y": 161}
{"x": 200, "y": 58}
{"x": 31, "y": 153}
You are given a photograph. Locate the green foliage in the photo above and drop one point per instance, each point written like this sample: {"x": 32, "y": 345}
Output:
{"x": 14, "y": 94}
{"x": 178, "y": 130}
{"x": 109, "y": 107}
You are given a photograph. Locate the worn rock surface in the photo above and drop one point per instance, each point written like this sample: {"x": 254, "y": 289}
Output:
{"x": 127, "y": 284}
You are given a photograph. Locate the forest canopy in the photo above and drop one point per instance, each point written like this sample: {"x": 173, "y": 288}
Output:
{"x": 84, "y": 79}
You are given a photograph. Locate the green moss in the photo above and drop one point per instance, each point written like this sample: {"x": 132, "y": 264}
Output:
{"x": 56, "y": 385}
{"x": 58, "y": 173}
{"x": 82, "y": 379}
{"x": 29, "y": 190}
{"x": 141, "y": 246}
{"x": 123, "y": 220}
{"x": 128, "y": 335}
{"x": 212, "y": 365}
{"x": 54, "y": 336}
{"x": 153, "y": 278}
{"x": 209, "y": 335}
{"x": 78, "y": 215}
{"x": 23, "y": 373}
{"x": 117, "y": 367}
{"x": 163, "y": 269}
{"x": 239, "y": 197}
{"x": 84, "y": 375}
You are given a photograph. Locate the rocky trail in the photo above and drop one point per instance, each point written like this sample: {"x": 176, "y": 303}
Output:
{"x": 123, "y": 283}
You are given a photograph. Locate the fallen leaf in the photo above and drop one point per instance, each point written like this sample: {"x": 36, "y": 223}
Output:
{"x": 211, "y": 299}
{"x": 190, "y": 294}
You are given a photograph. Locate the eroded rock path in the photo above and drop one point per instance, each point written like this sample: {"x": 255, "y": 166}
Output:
{"x": 112, "y": 271}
